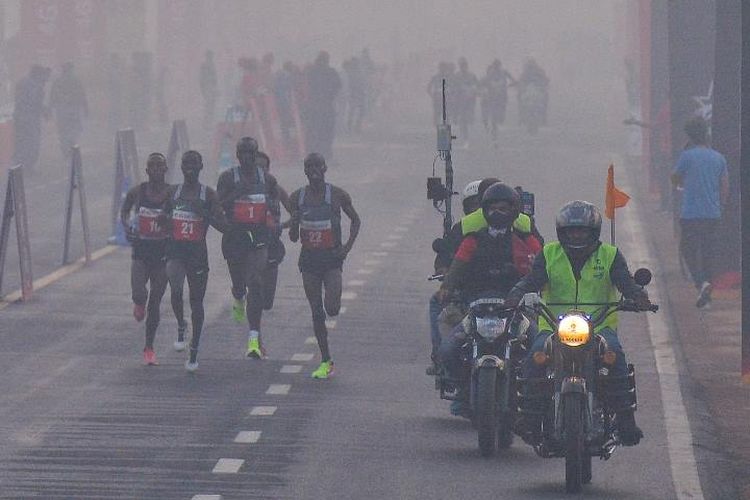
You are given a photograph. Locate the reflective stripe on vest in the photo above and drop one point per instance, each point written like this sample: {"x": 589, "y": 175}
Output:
{"x": 595, "y": 284}
{"x": 475, "y": 221}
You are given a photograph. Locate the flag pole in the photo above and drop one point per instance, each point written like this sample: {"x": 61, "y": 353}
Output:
{"x": 612, "y": 230}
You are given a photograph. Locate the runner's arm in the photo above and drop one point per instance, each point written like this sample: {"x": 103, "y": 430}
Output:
{"x": 127, "y": 206}
{"x": 216, "y": 215}
{"x": 294, "y": 220}
{"x": 348, "y": 208}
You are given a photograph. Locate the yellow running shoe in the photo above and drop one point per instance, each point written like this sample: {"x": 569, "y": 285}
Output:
{"x": 238, "y": 311}
{"x": 253, "y": 349}
{"x": 324, "y": 371}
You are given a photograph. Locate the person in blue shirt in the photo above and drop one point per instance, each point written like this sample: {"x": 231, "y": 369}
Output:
{"x": 702, "y": 173}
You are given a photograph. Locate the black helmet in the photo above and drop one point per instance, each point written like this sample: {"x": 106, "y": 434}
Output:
{"x": 500, "y": 192}
{"x": 578, "y": 214}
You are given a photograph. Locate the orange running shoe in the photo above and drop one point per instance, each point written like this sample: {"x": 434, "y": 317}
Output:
{"x": 149, "y": 357}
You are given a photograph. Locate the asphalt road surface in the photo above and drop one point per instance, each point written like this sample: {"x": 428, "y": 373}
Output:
{"x": 82, "y": 417}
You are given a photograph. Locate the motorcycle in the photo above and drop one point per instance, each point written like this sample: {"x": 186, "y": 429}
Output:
{"x": 532, "y": 104}
{"x": 578, "y": 400}
{"x": 495, "y": 344}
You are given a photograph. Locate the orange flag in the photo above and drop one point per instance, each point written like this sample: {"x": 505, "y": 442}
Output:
{"x": 613, "y": 198}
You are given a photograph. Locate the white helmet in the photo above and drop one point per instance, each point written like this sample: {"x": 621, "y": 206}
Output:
{"x": 471, "y": 189}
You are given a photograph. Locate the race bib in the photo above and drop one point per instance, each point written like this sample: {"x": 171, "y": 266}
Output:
{"x": 250, "y": 209}
{"x": 187, "y": 226}
{"x": 316, "y": 234}
{"x": 151, "y": 224}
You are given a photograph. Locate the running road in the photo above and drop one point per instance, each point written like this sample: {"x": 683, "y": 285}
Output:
{"x": 81, "y": 417}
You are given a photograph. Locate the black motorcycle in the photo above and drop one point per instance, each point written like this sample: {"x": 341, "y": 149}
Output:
{"x": 579, "y": 400}
{"x": 495, "y": 344}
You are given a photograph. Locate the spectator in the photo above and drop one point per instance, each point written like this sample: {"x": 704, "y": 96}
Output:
{"x": 702, "y": 173}
{"x": 28, "y": 112}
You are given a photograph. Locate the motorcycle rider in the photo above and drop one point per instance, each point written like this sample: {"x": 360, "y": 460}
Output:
{"x": 580, "y": 268}
{"x": 489, "y": 260}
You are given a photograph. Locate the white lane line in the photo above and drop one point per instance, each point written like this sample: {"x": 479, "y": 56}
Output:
{"x": 342, "y": 310}
{"x": 372, "y": 262}
{"x": 228, "y": 466}
{"x": 388, "y": 244}
{"x": 263, "y": 411}
{"x": 685, "y": 477}
{"x": 278, "y": 389}
{"x": 395, "y": 237}
{"x": 379, "y": 254}
{"x": 331, "y": 324}
{"x": 401, "y": 229}
{"x": 206, "y": 497}
{"x": 348, "y": 295}
{"x": 57, "y": 275}
{"x": 302, "y": 356}
{"x": 311, "y": 340}
{"x": 355, "y": 283}
{"x": 247, "y": 437}
{"x": 365, "y": 271}
{"x": 291, "y": 369}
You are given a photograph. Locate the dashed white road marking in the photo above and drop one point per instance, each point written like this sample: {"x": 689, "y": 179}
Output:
{"x": 388, "y": 244}
{"x": 330, "y": 324}
{"x": 228, "y": 466}
{"x": 302, "y": 356}
{"x": 355, "y": 283}
{"x": 685, "y": 478}
{"x": 206, "y": 497}
{"x": 365, "y": 271}
{"x": 263, "y": 411}
{"x": 279, "y": 389}
{"x": 247, "y": 437}
{"x": 379, "y": 254}
{"x": 372, "y": 262}
{"x": 395, "y": 237}
{"x": 311, "y": 340}
{"x": 291, "y": 369}
{"x": 401, "y": 229}
{"x": 348, "y": 295}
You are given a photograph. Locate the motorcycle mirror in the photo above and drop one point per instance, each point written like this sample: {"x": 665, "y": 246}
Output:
{"x": 438, "y": 245}
{"x": 642, "y": 276}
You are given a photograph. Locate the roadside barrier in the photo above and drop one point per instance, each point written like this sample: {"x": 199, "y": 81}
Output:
{"x": 15, "y": 207}
{"x": 76, "y": 184}
{"x": 126, "y": 175}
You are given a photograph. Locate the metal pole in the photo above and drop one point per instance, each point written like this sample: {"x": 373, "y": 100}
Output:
{"x": 22, "y": 232}
{"x": 78, "y": 170}
{"x": 5, "y": 230}
{"x": 69, "y": 208}
{"x": 448, "y": 220}
{"x": 745, "y": 189}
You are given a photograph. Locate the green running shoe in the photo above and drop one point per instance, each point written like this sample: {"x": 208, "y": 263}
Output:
{"x": 238, "y": 311}
{"x": 324, "y": 371}
{"x": 253, "y": 349}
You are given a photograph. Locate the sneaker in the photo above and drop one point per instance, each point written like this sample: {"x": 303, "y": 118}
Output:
{"x": 238, "y": 311}
{"x": 149, "y": 357}
{"x": 139, "y": 312}
{"x": 191, "y": 366}
{"x": 179, "y": 344}
{"x": 704, "y": 296}
{"x": 253, "y": 349}
{"x": 324, "y": 371}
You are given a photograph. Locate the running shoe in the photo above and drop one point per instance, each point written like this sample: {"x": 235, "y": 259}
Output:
{"x": 238, "y": 311}
{"x": 139, "y": 312}
{"x": 149, "y": 357}
{"x": 179, "y": 344}
{"x": 253, "y": 349}
{"x": 191, "y": 366}
{"x": 324, "y": 371}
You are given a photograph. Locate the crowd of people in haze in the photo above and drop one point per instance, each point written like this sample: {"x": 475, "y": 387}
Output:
{"x": 464, "y": 89}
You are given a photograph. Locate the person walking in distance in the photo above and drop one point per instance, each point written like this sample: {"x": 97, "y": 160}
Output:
{"x": 191, "y": 208}
{"x": 148, "y": 235}
{"x": 316, "y": 222}
{"x": 702, "y": 173}
{"x": 244, "y": 193}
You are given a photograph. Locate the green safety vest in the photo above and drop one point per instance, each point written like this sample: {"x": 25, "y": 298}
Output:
{"x": 595, "y": 284}
{"x": 475, "y": 221}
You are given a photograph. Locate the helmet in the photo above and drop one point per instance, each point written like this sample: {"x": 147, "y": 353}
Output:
{"x": 501, "y": 192}
{"x": 578, "y": 214}
{"x": 471, "y": 189}
{"x": 470, "y": 197}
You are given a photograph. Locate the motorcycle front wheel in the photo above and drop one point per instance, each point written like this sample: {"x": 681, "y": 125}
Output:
{"x": 573, "y": 441}
{"x": 487, "y": 414}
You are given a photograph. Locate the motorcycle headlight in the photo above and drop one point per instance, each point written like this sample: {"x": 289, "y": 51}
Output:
{"x": 490, "y": 328}
{"x": 574, "y": 330}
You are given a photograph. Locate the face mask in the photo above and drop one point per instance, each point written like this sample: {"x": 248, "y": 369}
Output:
{"x": 499, "y": 219}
